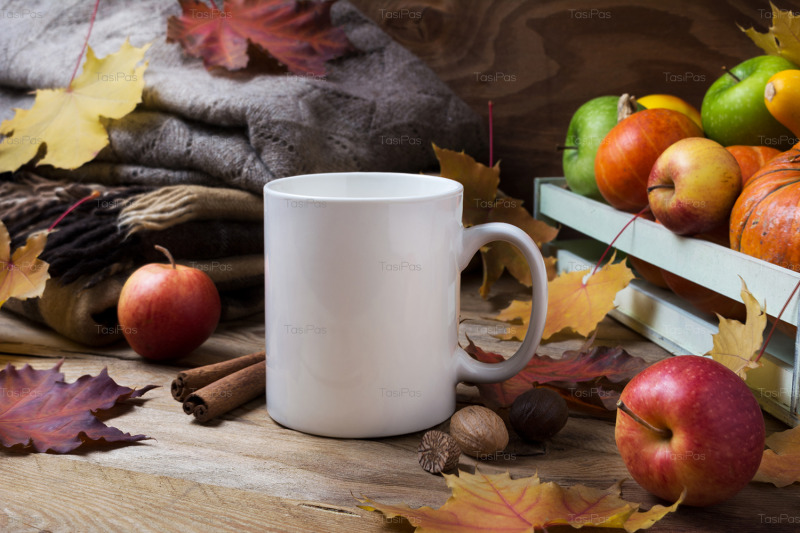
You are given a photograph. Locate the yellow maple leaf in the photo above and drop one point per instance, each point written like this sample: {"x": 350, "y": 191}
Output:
{"x": 737, "y": 345}
{"x": 502, "y": 255}
{"x": 782, "y": 38}
{"x": 485, "y": 502}
{"x": 484, "y": 203}
{"x": 67, "y": 121}
{"x": 574, "y": 301}
{"x": 780, "y": 465}
{"x": 517, "y": 315}
{"x": 22, "y": 275}
{"x": 479, "y": 181}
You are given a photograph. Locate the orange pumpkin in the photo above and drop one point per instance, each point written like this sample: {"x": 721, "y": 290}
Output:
{"x": 765, "y": 221}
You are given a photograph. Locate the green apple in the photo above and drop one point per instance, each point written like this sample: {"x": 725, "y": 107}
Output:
{"x": 587, "y": 129}
{"x": 733, "y": 110}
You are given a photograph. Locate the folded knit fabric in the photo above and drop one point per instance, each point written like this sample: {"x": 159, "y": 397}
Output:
{"x": 186, "y": 169}
{"x": 378, "y": 109}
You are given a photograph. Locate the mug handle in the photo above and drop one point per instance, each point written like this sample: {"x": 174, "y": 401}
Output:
{"x": 471, "y": 370}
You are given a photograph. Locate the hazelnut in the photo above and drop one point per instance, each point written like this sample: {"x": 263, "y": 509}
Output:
{"x": 538, "y": 414}
{"x": 479, "y": 431}
{"x": 438, "y": 452}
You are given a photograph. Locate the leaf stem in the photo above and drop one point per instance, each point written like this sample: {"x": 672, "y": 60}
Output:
{"x": 665, "y": 433}
{"x": 600, "y": 261}
{"x": 491, "y": 135}
{"x": 775, "y": 323}
{"x": 72, "y": 208}
{"x": 561, "y": 147}
{"x": 85, "y": 44}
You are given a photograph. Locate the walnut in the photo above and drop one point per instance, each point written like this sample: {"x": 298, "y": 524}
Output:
{"x": 479, "y": 431}
{"x": 438, "y": 452}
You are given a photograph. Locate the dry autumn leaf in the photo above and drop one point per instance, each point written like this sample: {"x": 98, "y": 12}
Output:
{"x": 782, "y": 38}
{"x": 576, "y": 301}
{"x": 67, "y": 121}
{"x": 22, "y": 275}
{"x": 502, "y": 255}
{"x": 592, "y": 398}
{"x": 574, "y": 366}
{"x": 484, "y": 203}
{"x": 737, "y": 345}
{"x": 495, "y": 502}
{"x": 39, "y": 410}
{"x": 780, "y": 465}
{"x": 298, "y": 34}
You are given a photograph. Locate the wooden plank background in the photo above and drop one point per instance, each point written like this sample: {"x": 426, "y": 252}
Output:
{"x": 538, "y": 60}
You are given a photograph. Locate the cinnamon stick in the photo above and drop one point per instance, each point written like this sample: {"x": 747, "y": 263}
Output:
{"x": 189, "y": 381}
{"x": 227, "y": 393}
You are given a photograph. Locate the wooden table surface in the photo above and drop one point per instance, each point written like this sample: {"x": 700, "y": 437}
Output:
{"x": 246, "y": 473}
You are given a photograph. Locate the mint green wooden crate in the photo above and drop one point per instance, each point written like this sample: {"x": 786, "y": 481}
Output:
{"x": 661, "y": 316}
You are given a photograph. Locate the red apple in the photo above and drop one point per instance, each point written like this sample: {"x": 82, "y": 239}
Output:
{"x": 693, "y": 185}
{"x": 630, "y": 149}
{"x": 690, "y": 422}
{"x": 167, "y": 310}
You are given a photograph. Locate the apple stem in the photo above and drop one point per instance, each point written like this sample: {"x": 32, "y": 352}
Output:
{"x": 72, "y": 208}
{"x": 731, "y": 74}
{"x": 775, "y": 323}
{"x": 169, "y": 255}
{"x": 561, "y": 147}
{"x": 625, "y": 409}
{"x": 662, "y": 186}
{"x": 600, "y": 261}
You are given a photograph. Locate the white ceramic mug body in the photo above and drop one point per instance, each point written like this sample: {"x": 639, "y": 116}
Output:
{"x": 362, "y": 302}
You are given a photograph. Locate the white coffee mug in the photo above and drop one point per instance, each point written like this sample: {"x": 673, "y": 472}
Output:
{"x": 362, "y": 302}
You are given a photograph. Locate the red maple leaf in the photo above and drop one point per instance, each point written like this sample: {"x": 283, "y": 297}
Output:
{"x": 575, "y": 366}
{"x": 299, "y": 34}
{"x": 38, "y": 409}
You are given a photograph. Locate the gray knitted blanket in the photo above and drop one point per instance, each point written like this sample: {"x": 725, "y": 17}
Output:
{"x": 377, "y": 109}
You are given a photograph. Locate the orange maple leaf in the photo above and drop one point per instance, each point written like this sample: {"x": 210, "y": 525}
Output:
{"x": 22, "y": 275}
{"x": 575, "y": 300}
{"x": 484, "y": 502}
{"x": 780, "y": 465}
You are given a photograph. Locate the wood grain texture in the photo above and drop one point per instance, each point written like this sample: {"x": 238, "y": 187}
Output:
{"x": 49, "y": 493}
{"x": 538, "y": 61}
{"x": 244, "y": 472}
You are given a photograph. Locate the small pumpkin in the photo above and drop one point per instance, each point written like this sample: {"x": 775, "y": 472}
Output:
{"x": 751, "y": 158}
{"x": 765, "y": 221}
{"x": 782, "y": 98}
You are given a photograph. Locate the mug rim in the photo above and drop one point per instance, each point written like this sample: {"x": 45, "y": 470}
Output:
{"x": 454, "y": 188}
